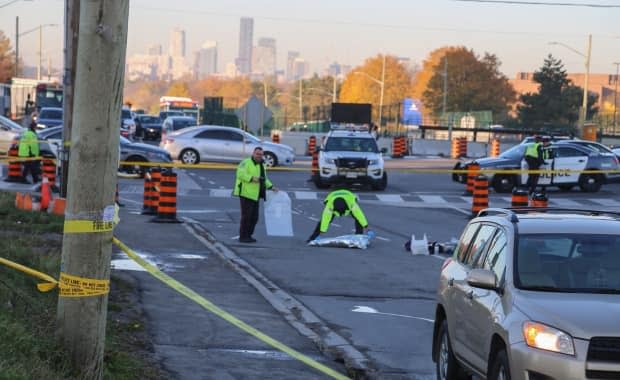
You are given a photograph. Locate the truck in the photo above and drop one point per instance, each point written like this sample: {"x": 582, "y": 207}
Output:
{"x": 37, "y": 93}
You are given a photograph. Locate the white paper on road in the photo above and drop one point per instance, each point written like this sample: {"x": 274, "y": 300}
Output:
{"x": 345, "y": 241}
{"x": 278, "y": 214}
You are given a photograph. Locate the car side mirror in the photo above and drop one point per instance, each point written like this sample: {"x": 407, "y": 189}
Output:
{"x": 482, "y": 278}
{"x": 383, "y": 150}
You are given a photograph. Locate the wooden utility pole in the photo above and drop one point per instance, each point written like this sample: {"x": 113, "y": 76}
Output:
{"x": 72, "y": 20}
{"x": 87, "y": 240}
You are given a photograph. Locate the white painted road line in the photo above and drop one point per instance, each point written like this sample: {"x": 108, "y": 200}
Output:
{"x": 467, "y": 199}
{"x": 211, "y": 182}
{"x": 606, "y": 202}
{"x": 432, "y": 198}
{"x": 370, "y": 310}
{"x": 394, "y": 198}
{"x": 382, "y": 238}
{"x": 220, "y": 193}
{"x": 305, "y": 195}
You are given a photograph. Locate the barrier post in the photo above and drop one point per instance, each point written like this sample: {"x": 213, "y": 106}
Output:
{"x": 494, "y": 148}
{"x": 147, "y": 205}
{"x": 167, "y": 205}
{"x": 311, "y": 145}
{"x": 473, "y": 170}
{"x": 463, "y": 147}
{"x": 481, "y": 195}
{"x": 315, "y": 164}
{"x": 153, "y": 192}
{"x": 49, "y": 171}
{"x": 540, "y": 200}
{"x": 15, "y": 167}
{"x": 275, "y": 137}
{"x": 454, "y": 152}
{"x": 520, "y": 198}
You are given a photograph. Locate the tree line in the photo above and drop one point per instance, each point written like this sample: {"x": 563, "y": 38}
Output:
{"x": 451, "y": 79}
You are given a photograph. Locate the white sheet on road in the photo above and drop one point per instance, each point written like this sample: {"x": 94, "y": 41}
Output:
{"x": 278, "y": 214}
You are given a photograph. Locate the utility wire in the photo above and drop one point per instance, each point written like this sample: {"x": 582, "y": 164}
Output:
{"x": 590, "y": 5}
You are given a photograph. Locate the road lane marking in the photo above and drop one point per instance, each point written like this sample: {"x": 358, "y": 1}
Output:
{"x": 432, "y": 198}
{"x": 370, "y": 310}
{"x": 211, "y": 182}
{"x": 305, "y": 195}
{"x": 466, "y": 199}
{"x": 382, "y": 238}
{"x": 606, "y": 202}
{"x": 220, "y": 193}
{"x": 394, "y": 198}
{"x": 313, "y": 218}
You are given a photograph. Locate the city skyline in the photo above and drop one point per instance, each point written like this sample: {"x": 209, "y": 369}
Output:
{"x": 348, "y": 32}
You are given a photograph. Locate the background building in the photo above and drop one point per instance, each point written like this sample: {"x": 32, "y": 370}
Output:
{"x": 206, "y": 60}
{"x": 155, "y": 49}
{"x": 246, "y": 38}
{"x": 177, "y": 43}
{"x": 264, "y": 60}
{"x": 290, "y": 61}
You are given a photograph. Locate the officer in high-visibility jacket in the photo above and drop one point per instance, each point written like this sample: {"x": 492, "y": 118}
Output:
{"x": 340, "y": 203}
{"x": 29, "y": 148}
{"x": 250, "y": 186}
{"x": 535, "y": 156}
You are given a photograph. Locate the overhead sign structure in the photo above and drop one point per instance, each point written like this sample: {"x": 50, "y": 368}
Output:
{"x": 254, "y": 114}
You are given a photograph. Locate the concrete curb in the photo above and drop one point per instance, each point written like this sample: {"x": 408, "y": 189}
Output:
{"x": 301, "y": 318}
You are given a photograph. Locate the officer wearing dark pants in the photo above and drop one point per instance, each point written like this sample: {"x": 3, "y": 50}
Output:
{"x": 535, "y": 156}
{"x": 28, "y": 149}
{"x": 250, "y": 186}
{"x": 340, "y": 203}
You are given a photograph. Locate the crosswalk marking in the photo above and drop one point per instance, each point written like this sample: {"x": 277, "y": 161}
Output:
{"x": 220, "y": 193}
{"x": 565, "y": 202}
{"x": 467, "y": 199}
{"x": 389, "y": 197}
{"x": 305, "y": 195}
{"x": 432, "y": 199}
{"x": 606, "y": 202}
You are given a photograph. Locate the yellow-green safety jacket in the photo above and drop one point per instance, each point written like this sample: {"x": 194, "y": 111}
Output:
{"x": 532, "y": 150}
{"x": 28, "y": 145}
{"x": 353, "y": 209}
{"x": 244, "y": 186}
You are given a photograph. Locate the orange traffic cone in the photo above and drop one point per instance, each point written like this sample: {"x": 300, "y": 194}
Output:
{"x": 45, "y": 194}
{"x": 27, "y": 202}
{"x": 19, "y": 201}
{"x": 58, "y": 206}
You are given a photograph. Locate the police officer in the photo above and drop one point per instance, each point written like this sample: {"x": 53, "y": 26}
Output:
{"x": 28, "y": 148}
{"x": 250, "y": 186}
{"x": 340, "y": 203}
{"x": 535, "y": 156}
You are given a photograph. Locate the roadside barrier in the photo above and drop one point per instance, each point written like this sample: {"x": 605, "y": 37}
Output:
{"x": 15, "y": 167}
{"x": 459, "y": 147}
{"x": 494, "y": 148}
{"x": 167, "y": 206}
{"x": 520, "y": 198}
{"x": 540, "y": 200}
{"x": 148, "y": 208}
{"x": 154, "y": 192}
{"x": 473, "y": 170}
{"x": 481, "y": 195}
{"x": 399, "y": 146}
{"x": 275, "y": 137}
{"x": 311, "y": 145}
{"x": 49, "y": 170}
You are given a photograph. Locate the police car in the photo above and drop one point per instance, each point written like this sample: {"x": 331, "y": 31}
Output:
{"x": 350, "y": 155}
{"x": 567, "y": 158}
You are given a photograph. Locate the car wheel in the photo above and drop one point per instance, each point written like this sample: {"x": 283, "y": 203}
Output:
{"x": 380, "y": 184}
{"x": 189, "y": 157}
{"x": 590, "y": 183}
{"x": 500, "y": 368}
{"x": 270, "y": 159}
{"x": 446, "y": 365}
{"x": 566, "y": 187}
{"x": 503, "y": 183}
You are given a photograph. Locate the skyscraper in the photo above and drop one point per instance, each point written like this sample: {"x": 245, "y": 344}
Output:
{"x": 300, "y": 69}
{"x": 290, "y": 61}
{"x": 246, "y": 38}
{"x": 206, "y": 60}
{"x": 265, "y": 57}
{"x": 177, "y": 43}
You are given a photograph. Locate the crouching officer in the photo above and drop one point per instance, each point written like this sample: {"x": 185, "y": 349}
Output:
{"x": 340, "y": 203}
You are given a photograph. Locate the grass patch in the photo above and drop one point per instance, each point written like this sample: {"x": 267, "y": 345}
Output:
{"x": 28, "y": 346}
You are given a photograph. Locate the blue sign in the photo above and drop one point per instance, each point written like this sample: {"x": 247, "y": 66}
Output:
{"x": 412, "y": 112}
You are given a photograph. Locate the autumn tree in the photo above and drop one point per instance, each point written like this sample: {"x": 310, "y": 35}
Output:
{"x": 362, "y": 85}
{"x": 7, "y": 59}
{"x": 178, "y": 89}
{"x": 557, "y": 101}
{"x": 473, "y": 84}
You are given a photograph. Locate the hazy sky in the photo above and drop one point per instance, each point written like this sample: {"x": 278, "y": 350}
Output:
{"x": 349, "y": 31}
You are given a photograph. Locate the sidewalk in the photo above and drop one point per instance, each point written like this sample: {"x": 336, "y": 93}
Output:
{"x": 189, "y": 341}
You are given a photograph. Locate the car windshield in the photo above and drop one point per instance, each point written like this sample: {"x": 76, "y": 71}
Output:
{"x": 125, "y": 114}
{"x": 182, "y": 123}
{"x": 150, "y": 119}
{"x": 50, "y": 114}
{"x": 577, "y": 263}
{"x": 351, "y": 144}
{"x": 516, "y": 152}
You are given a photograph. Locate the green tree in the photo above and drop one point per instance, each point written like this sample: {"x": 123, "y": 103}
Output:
{"x": 7, "y": 59}
{"x": 557, "y": 101}
{"x": 474, "y": 84}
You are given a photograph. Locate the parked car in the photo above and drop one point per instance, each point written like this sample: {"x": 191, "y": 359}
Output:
{"x": 128, "y": 125}
{"x": 9, "y": 131}
{"x": 616, "y": 152}
{"x": 148, "y": 127}
{"x": 566, "y": 158}
{"x": 531, "y": 295}
{"x": 530, "y": 139}
{"x": 223, "y": 144}
{"x": 49, "y": 117}
{"x": 174, "y": 123}
{"x": 164, "y": 114}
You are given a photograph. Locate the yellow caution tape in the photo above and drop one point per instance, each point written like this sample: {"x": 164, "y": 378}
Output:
{"x": 187, "y": 292}
{"x": 43, "y": 287}
{"x": 74, "y": 286}
{"x": 87, "y": 226}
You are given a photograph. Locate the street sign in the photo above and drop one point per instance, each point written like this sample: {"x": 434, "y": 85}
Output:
{"x": 254, "y": 114}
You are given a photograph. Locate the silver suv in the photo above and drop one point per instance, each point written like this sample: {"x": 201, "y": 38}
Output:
{"x": 531, "y": 294}
{"x": 350, "y": 155}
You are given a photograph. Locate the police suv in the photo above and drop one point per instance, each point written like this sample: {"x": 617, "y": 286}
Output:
{"x": 349, "y": 154}
{"x": 566, "y": 161}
